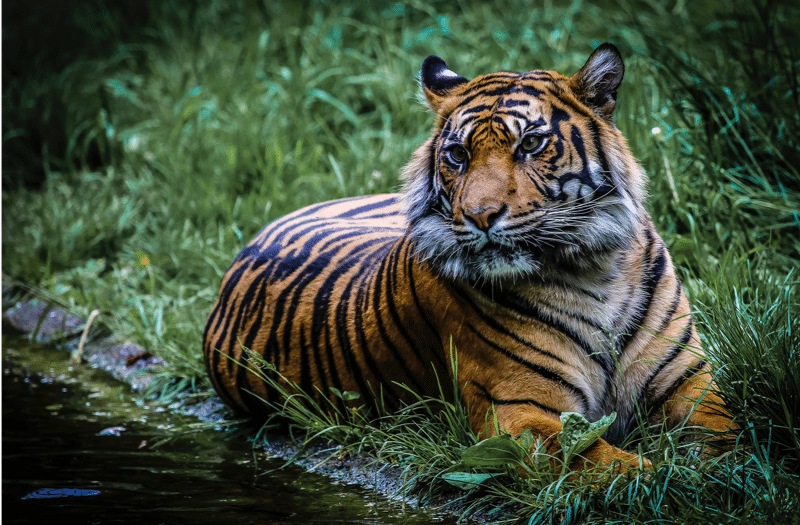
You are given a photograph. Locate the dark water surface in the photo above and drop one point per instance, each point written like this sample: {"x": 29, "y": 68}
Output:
{"x": 78, "y": 434}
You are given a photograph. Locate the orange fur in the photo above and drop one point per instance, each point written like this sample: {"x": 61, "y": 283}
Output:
{"x": 521, "y": 236}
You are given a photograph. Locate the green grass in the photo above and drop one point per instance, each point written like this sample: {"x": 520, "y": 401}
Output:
{"x": 443, "y": 463}
{"x": 146, "y": 146}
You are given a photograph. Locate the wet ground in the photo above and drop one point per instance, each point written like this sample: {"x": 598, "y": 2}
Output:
{"x": 78, "y": 445}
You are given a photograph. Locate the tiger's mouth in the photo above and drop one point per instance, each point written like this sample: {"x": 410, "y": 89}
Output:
{"x": 498, "y": 250}
{"x": 495, "y": 261}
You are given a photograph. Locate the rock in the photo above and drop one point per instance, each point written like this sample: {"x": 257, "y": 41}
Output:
{"x": 44, "y": 321}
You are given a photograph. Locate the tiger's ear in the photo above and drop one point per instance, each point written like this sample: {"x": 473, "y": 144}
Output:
{"x": 438, "y": 81}
{"x": 596, "y": 83}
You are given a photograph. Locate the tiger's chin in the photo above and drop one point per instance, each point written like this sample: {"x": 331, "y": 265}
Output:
{"x": 502, "y": 266}
{"x": 499, "y": 264}
{"x": 494, "y": 264}
{"x": 488, "y": 269}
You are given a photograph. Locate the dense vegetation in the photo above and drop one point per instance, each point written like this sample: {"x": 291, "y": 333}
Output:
{"x": 145, "y": 144}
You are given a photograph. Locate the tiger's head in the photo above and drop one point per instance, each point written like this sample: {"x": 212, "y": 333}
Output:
{"x": 525, "y": 172}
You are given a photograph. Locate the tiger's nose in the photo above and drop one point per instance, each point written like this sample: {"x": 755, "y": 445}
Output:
{"x": 485, "y": 218}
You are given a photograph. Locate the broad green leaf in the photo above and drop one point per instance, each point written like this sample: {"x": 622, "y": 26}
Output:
{"x": 350, "y": 395}
{"x": 468, "y": 480}
{"x": 526, "y": 439}
{"x": 347, "y": 395}
{"x": 578, "y": 434}
{"x": 496, "y": 451}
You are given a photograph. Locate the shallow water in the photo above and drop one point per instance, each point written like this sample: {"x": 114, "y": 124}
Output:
{"x": 79, "y": 436}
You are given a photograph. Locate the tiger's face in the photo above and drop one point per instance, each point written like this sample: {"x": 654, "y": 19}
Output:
{"x": 525, "y": 172}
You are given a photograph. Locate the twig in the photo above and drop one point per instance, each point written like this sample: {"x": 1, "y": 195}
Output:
{"x": 78, "y": 353}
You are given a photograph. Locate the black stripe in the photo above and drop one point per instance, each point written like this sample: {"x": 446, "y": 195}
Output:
{"x": 528, "y": 309}
{"x": 210, "y": 347}
{"x": 344, "y": 338}
{"x": 540, "y": 186}
{"x": 274, "y": 227}
{"x": 652, "y": 276}
{"x": 447, "y": 132}
{"x": 253, "y": 404}
{"x": 489, "y": 82}
{"x": 571, "y": 104}
{"x": 524, "y": 217}
{"x": 381, "y": 216}
{"x": 576, "y": 316}
{"x": 368, "y": 207}
{"x": 526, "y": 90}
{"x": 290, "y": 297}
{"x": 227, "y": 342}
{"x": 659, "y": 403}
{"x": 540, "y": 370}
{"x": 386, "y": 235}
{"x": 497, "y": 401}
{"x": 673, "y": 307}
{"x": 213, "y": 355}
{"x": 673, "y": 352}
{"x": 511, "y": 113}
{"x": 308, "y": 384}
{"x": 391, "y": 290}
{"x": 538, "y": 76}
{"x": 477, "y": 109}
{"x": 383, "y": 330}
{"x": 432, "y": 336}
{"x": 599, "y": 151}
{"x": 498, "y": 327}
{"x": 305, "y": 382}
{"x": 493, "y": 92}
{"x": 599, "y": 190}
{"x": 361, "y": 307}
{"x": 308, "y": 226}
{"x": 256, "y": 304}
{"x": 321, "y": 311}
{"x": 513, "y": 103}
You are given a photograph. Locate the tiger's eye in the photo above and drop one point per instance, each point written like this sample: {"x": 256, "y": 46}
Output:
{"x": 530, "y": 143}
{"x": 459, "y": 154}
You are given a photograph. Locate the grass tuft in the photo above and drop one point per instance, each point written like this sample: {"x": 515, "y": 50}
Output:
{"x": 442, "y": 463}
{"x": 753, "y": 336}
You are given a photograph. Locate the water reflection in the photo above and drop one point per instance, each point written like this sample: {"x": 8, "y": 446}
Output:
{"x": 76, "y": 434}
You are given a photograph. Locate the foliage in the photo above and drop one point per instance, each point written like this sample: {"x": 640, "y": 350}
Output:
{"x": 512, "y": 480}
{"x": 152, "y": 140}
{"x": 754, "y": 339}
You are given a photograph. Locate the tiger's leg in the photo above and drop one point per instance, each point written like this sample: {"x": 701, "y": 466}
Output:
{"x": 601, "y": 457}
{"x": 695, "y": 402}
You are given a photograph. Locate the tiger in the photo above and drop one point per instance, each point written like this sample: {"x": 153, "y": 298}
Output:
{"x": 520, "y": 239}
